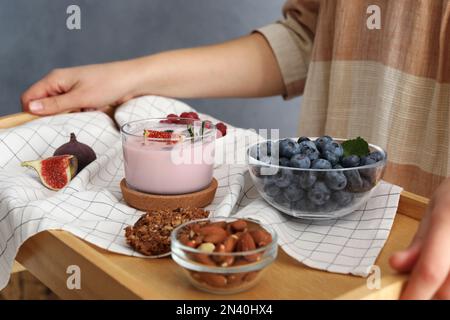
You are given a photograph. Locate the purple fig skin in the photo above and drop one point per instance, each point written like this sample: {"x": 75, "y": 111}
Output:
{"x": 84, "y": 154}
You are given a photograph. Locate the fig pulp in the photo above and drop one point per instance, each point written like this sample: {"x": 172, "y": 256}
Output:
{"x": 55, "y": 172}
{"x": 81, "y": 151}
{"x": 167, "y": 136}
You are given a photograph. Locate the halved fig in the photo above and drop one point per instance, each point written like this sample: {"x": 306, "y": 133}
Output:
{"x": 55, "y": 172}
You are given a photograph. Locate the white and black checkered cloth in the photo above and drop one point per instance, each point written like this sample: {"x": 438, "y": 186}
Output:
{"x": 92, "y": 208}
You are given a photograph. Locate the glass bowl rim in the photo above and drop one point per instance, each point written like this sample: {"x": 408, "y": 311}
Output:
{"x": 175, "y": 242}
{"x": 210, "y": 132}
{"x": 254, "y": 161}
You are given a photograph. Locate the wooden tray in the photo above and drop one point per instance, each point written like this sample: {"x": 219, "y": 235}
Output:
{"x": 107, "y": 275}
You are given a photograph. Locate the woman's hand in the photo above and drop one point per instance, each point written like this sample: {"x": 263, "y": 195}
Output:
{"x": 245, "y": 67}
{"x": 85, "y": 87}
{"x": 428, "y": 256}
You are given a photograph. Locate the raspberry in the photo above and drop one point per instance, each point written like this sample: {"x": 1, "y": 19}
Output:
{"x": 208, "y": 125}
{"x": 222, "y": 128}
{"x": 194, "y": 115}
{"x": 171, "y": 118}
{"x": 187, "y": 115}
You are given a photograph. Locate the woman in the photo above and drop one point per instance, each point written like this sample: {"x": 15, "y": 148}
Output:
{"x": 389, "y": 85}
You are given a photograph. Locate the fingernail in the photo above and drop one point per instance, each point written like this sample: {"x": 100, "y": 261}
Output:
{"x": 36, "y": 106}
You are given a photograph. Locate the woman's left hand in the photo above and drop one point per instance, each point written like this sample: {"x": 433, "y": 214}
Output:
{"x": 428, "y": 256}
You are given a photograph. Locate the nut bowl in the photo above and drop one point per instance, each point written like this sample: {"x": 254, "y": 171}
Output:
{"x": 311, "y": 193}
{"x": 224, "y": 255}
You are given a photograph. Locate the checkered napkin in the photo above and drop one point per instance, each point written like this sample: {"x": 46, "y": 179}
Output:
{"x": 92, "y": 208}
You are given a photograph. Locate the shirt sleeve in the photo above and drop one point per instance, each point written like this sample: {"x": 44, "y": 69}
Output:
{"x": 291, "y": 40}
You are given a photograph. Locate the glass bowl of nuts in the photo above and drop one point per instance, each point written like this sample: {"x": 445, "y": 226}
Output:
{"x": 224, "y": 255}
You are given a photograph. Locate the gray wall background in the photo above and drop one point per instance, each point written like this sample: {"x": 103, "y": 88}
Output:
{"x": 34, "y": 39}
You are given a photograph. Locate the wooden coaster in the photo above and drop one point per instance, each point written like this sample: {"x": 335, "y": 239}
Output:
{"x": 146, "y": 202}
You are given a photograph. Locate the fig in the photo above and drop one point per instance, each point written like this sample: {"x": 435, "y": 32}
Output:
{"x": 81, "y": 151}
{"x": 55, "y": 172}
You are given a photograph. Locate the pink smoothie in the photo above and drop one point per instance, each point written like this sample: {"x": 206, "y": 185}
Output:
{"x": 160, "y": 168}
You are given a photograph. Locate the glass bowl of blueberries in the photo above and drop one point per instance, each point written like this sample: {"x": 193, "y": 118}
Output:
{"x": 316, "y": 178}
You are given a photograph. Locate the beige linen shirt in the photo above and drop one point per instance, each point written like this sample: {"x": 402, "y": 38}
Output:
{"x": 389, "y": 85}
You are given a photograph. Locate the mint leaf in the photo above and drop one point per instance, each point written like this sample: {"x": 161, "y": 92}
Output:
{"x": 358, "y": 147}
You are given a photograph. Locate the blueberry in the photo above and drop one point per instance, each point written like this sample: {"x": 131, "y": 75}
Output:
{"x": 281, "y": 200}
{"x": 350, "y": 161}
{"x": 322, "y": 142}
{"x": 335, "y": 180}
{"x": 300, "y": 161}
{"x": 329, "y": 206}
{"x": 338, "y": 166}
{"x": 354, "y": 180}
{"x": 271, "y": 190}
{"x": 369, "y": 173}
{"x": 288, "y": 148}
{"x": 331, "y": 157}
{"x": 283, "y": 178}
{"x": 308, "y": 148}
{"x": 342, "y": 198}
{"x": 301, "y": 139}
{"x": 306, "y": 179}
{"x": 293, "y": 193}
{"x": 304, "y": 205}
{"x": 321, "y": 164}
{"x": 365, "y": 161}
{"x": 284, "y": 162}
{"x": 367, "y": 185}
{"x": 376, "y": 155}
{"x": 333, "y": 149}
{"x": 319, "y": 194}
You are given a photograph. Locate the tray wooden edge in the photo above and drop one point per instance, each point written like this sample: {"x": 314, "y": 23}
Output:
{"x": 16, "y": 120}
{"x": 37, "y": 255}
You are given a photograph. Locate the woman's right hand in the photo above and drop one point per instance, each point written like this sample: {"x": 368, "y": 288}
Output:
{"x": 84, "y": 87}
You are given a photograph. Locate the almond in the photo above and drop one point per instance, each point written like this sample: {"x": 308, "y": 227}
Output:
{"x": 228, "y": 262}
{"x": 220, "y": 248}
{"x": 241, "y": 262}
{"x": 184, "y": 239}
{"x": 198, "y": 240}
{"x": 220, "y": 224}
{"x": 213, "y": 234}
{"x": 235, "y": 279}
{"x": 191, "y": 243}
{"x": 250, "y": 276}
{"x": 214, "y": 280}
{"x": 223, "y": 260}
{"x": 229, "y": 229}
{"x": 196, "y": 228}
{"x": 245, "y": 243}
{"x": 230, "y": 243}
{"x": 261, "y": 237}
{"x": 239, "y": 225}
{"x": 253, "y": 257}
{"x": 203, "y": 259}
